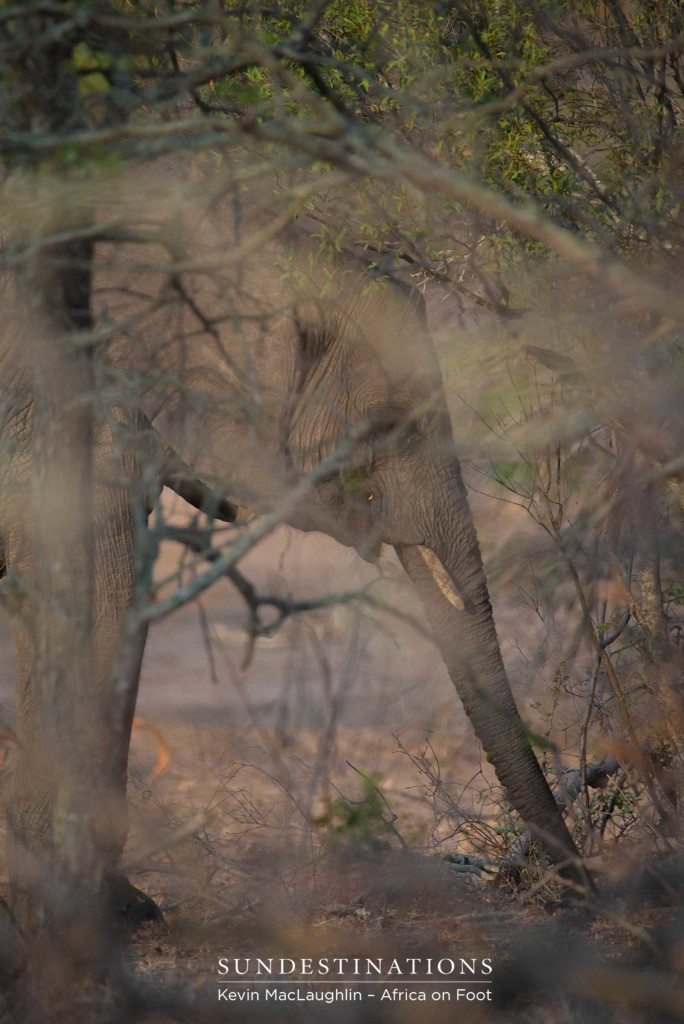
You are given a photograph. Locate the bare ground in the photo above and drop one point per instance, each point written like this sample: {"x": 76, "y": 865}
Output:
{"x": 255, "y": 840}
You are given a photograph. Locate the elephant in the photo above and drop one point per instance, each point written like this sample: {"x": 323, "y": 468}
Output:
{"x": 254, "y": 379}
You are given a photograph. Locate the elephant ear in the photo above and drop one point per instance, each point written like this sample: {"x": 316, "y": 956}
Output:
{"x": 401, "y": 275}
{"x": 314, "y": 337}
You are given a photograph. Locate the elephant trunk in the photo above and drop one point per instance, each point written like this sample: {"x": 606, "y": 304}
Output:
{"x": 450, "y": 579}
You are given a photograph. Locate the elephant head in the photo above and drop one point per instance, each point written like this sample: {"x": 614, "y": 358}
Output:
{"x": 299, "y": 365}
{"x": 365, "y": 355}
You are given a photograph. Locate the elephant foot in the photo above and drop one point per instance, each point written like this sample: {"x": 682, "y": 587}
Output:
{"x": 130, "y": 908}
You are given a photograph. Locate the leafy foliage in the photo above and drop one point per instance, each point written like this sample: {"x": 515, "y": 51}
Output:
{"x": 359, "y": 824}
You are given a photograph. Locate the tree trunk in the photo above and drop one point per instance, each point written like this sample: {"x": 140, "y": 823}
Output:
{"x": 62, "y": 844}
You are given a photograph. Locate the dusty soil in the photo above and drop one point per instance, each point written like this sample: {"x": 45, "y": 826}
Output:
{"x": 311, "y": 794}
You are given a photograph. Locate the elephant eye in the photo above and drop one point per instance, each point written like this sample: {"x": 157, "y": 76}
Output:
{"x": 357, "y": 484}
{"x": 369, "y": 495}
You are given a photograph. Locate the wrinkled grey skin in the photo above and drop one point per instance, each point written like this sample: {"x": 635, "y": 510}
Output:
{"x": 255, "y": 401}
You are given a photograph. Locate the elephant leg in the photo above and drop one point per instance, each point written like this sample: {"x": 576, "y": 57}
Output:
{"x": 128, "y": 906}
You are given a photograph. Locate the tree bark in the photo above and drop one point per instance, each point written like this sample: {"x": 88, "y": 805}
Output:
{"x": 62, "y": 824}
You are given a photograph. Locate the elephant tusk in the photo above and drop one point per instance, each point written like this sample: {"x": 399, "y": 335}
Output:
{"x": 441, "y": 576}
{"x": 244, "y": 515}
